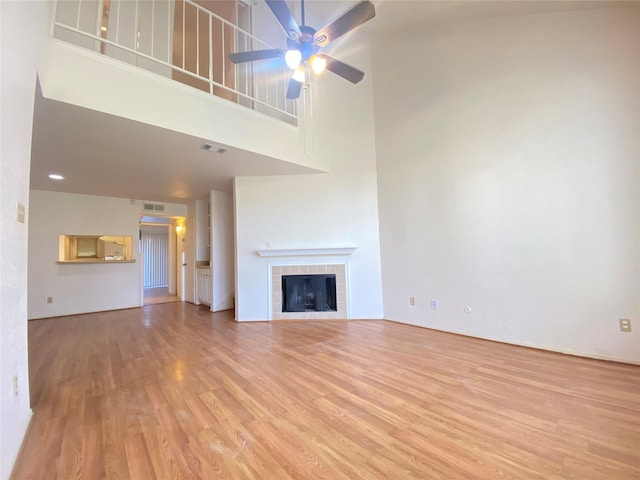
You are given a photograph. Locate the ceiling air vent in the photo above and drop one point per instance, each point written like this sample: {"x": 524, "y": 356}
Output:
{"x": 212, "y": 148}
{"x": 153, "y": 207}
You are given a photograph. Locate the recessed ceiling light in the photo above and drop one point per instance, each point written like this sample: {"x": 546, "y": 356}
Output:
{"x": 55, "y": 176}
{"x": 209, "y": 147}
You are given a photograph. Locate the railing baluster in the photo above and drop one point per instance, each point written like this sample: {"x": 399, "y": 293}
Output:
{"x": 183, "y": 31}
{"x": 248, "y": 78}
{"x": 78, "y": 14}
{"x": 98, "y": 24}
{"x": 198, "y": 42}
{"x": 266, "y": 85}
{"x": 211, "y": 54}
{"x": 153, "y": 24}
{"x": 136, "y": 28}
{"x": 250, "y": 69}
{"x": 117, "y": 22}
{"x": 169, "y": 31}
{"x": 277, "y": 89}
{"x": 224, "y": 60}
{"x": 55, "y": 19}
{"x": 248, "y": 91}
{"x": 235, "y": 49}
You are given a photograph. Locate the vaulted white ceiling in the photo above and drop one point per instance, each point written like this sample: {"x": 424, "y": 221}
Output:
{"x": 148, "y": 162}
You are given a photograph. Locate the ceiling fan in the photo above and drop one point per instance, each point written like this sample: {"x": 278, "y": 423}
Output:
{"x": 304, "y": 43}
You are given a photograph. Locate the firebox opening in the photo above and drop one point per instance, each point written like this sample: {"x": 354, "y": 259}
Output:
{"x": 309, "y": 293}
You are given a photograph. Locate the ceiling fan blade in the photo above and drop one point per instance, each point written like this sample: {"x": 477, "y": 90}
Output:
{"x": 254, "y": 55}
{"x": 281, "y": 11}
{"x": 342, "y": 69}
{"x": 293, "y": 90}
{"x": 362, "y": 12}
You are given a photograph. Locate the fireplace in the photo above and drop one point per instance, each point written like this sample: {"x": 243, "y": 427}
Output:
{"x": 308, "y": 292}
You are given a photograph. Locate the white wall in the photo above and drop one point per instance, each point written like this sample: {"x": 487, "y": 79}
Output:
{"x": 82, "y": 288}
{"x": 23, "y": 28}
{"x": 222, "y": 253}
{"x": 326, "y": 210}
{"x": 508, "y": 173}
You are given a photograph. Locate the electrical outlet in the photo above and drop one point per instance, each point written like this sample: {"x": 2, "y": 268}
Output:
{"x": 412, "y": 301}
{"x": 15, "y": 385}
{"x": 625, "y": 325}
{"x": 49, "y": 299}
{"x": 434, "y": 305}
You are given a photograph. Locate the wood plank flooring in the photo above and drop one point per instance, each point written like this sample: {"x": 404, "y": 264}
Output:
{"x": 173, "y": 391}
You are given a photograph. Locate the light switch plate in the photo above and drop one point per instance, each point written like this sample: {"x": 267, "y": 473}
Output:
{"x": 625, "y": 325}
{"x": 20, "y": 212}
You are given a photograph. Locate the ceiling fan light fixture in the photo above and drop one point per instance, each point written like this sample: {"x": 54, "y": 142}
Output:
{"x": 318, "y": 64}
{"x": 298, "y": 75}
{"x": 304, "y": 42}
{"x": 293, "y": 58}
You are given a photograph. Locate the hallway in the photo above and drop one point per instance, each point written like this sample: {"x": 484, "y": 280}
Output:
{"x": 155, "y": 295}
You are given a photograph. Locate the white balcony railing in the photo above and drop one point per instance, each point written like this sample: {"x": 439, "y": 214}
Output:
{"x": 183, "y": 41}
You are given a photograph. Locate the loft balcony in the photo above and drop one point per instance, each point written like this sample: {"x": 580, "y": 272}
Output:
{"x": 183, "y": 40}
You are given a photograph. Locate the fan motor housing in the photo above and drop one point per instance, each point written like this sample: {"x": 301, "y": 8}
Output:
{"x": 305, "y": 44}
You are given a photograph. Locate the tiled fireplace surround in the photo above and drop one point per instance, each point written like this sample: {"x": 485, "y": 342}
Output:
{"x": 277, "y": 271}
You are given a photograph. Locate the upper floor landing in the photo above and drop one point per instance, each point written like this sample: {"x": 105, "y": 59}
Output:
{"x": 166, "y": 63}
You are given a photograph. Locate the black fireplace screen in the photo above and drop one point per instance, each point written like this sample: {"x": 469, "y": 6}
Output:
{"x": 309, "y": 293}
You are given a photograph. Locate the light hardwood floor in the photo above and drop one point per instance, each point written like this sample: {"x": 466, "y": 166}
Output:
{"x": 174, "y": 391}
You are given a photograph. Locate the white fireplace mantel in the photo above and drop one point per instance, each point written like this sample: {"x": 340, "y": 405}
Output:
{"x": 303, "y": 252}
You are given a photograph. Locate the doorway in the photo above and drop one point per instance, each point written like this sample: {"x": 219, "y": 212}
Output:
{"x": 161, "y": 253}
